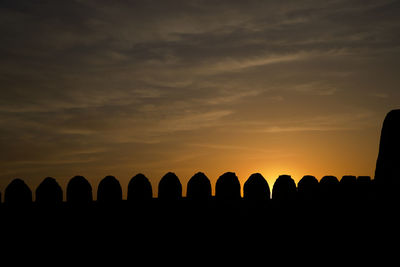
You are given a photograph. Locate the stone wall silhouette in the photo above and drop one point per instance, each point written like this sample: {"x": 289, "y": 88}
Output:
{"x": 329, "y": 217}
{"x": 256, "y": 188}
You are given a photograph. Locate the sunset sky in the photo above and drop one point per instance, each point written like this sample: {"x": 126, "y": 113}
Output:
{"x": 98, "y": 88}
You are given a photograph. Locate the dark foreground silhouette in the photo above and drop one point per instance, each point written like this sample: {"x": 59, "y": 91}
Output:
{"x": 49, "y": 193}
{"x": 329, "y": 190}
{"x": 199, "y": 188}
{"x": 350, "y": 210}
{"x": 387, "y": 172}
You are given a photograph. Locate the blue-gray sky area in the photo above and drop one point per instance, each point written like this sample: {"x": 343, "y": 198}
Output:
{"x": 100, "y": 88}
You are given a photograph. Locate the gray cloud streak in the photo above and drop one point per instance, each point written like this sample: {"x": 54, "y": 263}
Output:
{"x": 89, "y": 75}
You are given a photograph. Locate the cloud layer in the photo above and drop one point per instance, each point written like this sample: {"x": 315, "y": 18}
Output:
{"x": 99, "y": 82}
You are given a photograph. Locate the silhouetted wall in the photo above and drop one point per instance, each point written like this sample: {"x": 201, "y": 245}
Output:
{"x": 79, "y": 191}
{"x": 256, "y": 188}
{"x": 227, "y": 187}
{"x": 308, "y": 189}
{"x": 348, "y": 188}
{"x": 109, "y": 190}
{"x": 284, "y": 189}
{"x": 366, "y": 193}
{"x": 385, "y": 186}
{"x": 329, "y": 189}
{"x": 199, "y": 187}
{"x": 139, "y": 188}
{"x": 17, "y": 193}
{"x": 49, "y": 192}
{"x": 169, "y": 187}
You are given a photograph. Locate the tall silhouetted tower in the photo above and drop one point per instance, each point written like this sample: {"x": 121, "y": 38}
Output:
{"x": 388, "y": 163}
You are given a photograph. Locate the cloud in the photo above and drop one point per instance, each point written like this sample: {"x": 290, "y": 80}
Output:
{"x": 230, "y": 96}
{"x": 315, "y": 88}
{"x": 231, "y": 147}
{"x": 122, "y": 76}
{"x": 278, "y": 129}
{"x": 355, "y": 120}
{"x": 193, "y": 121}
{"x": 380, "y": 95}
{"x": 260, "y": 60}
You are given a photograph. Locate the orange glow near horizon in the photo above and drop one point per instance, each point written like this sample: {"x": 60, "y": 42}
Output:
{"x": 274, "y": 87}
{"x": 294, "y": 154}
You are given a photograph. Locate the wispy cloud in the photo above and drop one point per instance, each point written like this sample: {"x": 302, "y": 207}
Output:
{"x": 231, "y": 147}
{"x": 380, "y": 95}
{"x": 315, "y": 88}
{"x": 320, "y": 123}
{"x": 232, "y": 64}
{"x": 138, "y": 77}
{"x": 231, "y": 96}
{"x": 280, "y": 129}
{"x": 192, "y": 121}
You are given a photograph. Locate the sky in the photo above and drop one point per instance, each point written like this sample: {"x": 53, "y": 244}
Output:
{"x": 98, "y": 88}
